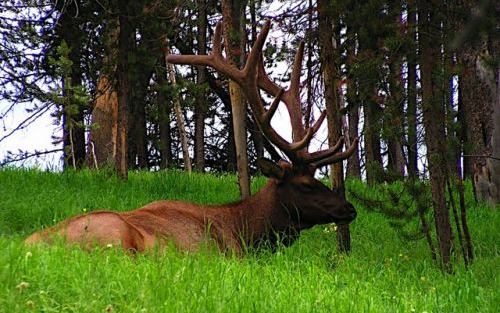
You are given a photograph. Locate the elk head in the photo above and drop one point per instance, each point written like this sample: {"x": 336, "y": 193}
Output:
{"x": 296, "y": 187}
{"x": 307, "y": 200}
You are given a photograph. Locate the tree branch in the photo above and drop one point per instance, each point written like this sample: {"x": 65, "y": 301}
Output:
{"x": 25, "y": 155}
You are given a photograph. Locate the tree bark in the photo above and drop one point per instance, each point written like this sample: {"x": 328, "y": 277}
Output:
{"x": 370, "y": 33}
{"x": 477, "y": 101}
{"x": 104, "y": 128}
{"x": 434, "y": 121}
{"x": 102, "y": 147}
{"x": 411, "y": 96}
{"x": 137, "y": 137}
{"x": 372, "y": 110}
{"x": 394, "y": 111}
{"x": 493, "y": 164}
{"x": 233, "y": 25}
{"x": 164, "y": 110}
{"x": 73, "y": 122}
{"x": 200, "y": 105}
{"x": 137, "y": 133}
{"x": 179, "y": 115}
{"x": 125, "y": 43}
{"x": 353, "y": 162}
{"x": 147, "y": 49}
{"x": 373, "y": 156}
{"x": 329, "y": 35}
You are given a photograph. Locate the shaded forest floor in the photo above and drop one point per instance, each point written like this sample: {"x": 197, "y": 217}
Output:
{"x": 384, "y": 272}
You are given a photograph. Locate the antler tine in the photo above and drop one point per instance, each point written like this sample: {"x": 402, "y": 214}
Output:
{"x": 266, "y": 118}
{"x": 296, "y": 70}
{"x": 323, "y": 154}
{"x": 264, "y": 82}
{"x": 320, "y": 120}
{"x": 335, "y": 157}
{"x": 293, "y": 97}
{"x": 309, "y": 134}
{"x": 215, "y": 59}
{"x": 256, "y": 52}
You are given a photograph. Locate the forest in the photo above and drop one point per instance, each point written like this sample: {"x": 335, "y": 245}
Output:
{"x": 418, "y": 82}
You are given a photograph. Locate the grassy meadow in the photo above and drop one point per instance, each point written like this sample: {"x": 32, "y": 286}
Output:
{"x": 384, "y": 273}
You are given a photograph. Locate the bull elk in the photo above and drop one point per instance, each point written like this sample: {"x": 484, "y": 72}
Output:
{"x": 292, "y": 199}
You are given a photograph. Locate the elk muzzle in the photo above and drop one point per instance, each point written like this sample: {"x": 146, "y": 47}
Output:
{"x": 348, "y": 215}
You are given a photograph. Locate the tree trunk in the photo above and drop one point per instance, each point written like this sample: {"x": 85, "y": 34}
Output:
{"x": 256, "y": 136}
{"x": 353, "y": 162}
{"x": 125, "y": 44}
{"x": 201, "y": 100}
{"x": 373, "y": 156}
{"x": 411, "y": 114}
{"x": 102, "y": 147}
{"x": 144, "y": 57}
{"x": 73, "y": 120}
{"x": 104, "y": 128}
{"x": 331, "y": 76}
{"x": 137, "y": 137}
{"x": 164, "y": 120}
{"x": 137, "y": 133}
{"x": 229, "y": 158}
{"x": 434, "y": 121}
{"x": 493, "y": 164}
{"x": 233, "y": 25}
{"x": 179, "y": 115}
{"x": 477, "y": 97}
{"x": 372, "y": 110}
{"x": 393, "y": 117}
{"x": 329, "y": 35}
{"x": 394, "y": 125}
{"x": 370, "y": 32}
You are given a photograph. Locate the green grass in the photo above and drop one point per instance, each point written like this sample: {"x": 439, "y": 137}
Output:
{"x": 383, "y": 273}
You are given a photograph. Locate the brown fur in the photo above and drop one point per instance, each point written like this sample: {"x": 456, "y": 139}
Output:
{"x": 291, "y": 201}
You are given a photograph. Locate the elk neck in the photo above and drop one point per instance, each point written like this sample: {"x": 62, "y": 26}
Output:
{"x": 259, "y": 216}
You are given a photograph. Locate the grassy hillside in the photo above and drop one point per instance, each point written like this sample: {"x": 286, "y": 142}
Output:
{"x": 384, "y": 273}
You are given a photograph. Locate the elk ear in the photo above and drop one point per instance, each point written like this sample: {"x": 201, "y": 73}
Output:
{"x": 270, "y": 169}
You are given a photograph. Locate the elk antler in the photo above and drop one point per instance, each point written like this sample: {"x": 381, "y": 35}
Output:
{"x": 251, "y": 78}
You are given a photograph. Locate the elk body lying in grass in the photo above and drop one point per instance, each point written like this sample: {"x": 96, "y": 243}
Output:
{"x": 291, "y": 201}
